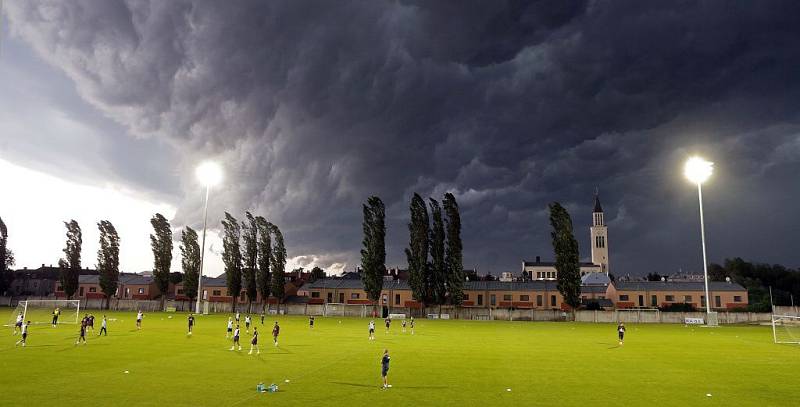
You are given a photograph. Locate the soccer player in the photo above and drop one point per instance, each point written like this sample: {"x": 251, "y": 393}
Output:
{"x": 254, "y": 342}
{"x": 236, "y": 339}
{"x": 262, "y": 317}
{"x": 311, "y": 322}
{"x": 237, "y": 318}
{"x": 191, "y": 323}
{"x": 139, "y": 316}
{"x": 24, "y": 330}
{"x": 387, "y": 322}
{"x": 56, "y": 313}
{"x": 230, "y": 328}
{"x": 621, "y": 332}
{"x": 412, "y": 325}
{"x": 18, "y": 323}
{"x": 372, "y": 330}
{"x": 276, "y": 330}
{"x": 247, "y": 323}
{"x": 404, "y": 326}
{"x": 82, "y": 336}
{"x": 103, "y": 327}
{"x": 90, "y": 322}
{"x": 385, "y": 368}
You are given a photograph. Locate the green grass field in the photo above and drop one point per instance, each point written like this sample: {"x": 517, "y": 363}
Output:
{"x": 444, "y": 363}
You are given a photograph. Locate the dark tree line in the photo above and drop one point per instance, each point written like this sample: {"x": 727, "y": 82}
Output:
{"x": 6, "y": 258}
{"x": 567, "y": 259}
{"x": 757, "y": 278}
{"x": 373, "y": 253}
{"x": 434, "y": 253}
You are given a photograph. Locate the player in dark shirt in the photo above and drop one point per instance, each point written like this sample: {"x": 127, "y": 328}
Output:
{"x": 311, "y": 322}
{"x": 387, "y": 322}
{"x": 82, "y": 337}
{"x": 621, "y": 332}
{"x": 254, "y": 342}
{"x": 191, "y": 323}
{"x": 412, "y": 325}
{"x": 276, "y": 330}
{"x": 385, "y": 368}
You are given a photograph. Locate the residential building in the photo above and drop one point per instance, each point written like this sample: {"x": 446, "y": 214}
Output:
{"x": 652, "y": 294}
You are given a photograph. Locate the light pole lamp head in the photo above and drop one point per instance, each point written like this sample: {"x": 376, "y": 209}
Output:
{"x": 209, "y": 173}
{"x": 698, "y": 170}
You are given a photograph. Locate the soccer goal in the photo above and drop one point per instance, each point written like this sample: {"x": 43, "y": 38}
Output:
{"x": 334, "y": 310}
{"x": 785, "y": 329}
{"x": 41, "y": 311}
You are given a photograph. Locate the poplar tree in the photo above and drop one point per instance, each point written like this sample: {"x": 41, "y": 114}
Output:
{"x": 417, "y": 251}
{"x": 278, "y": 264}
{"x": 190, "y": 262}
{"x": 567, "y": 260}
{"x": 108, "y": 259}
{"x": 232, "y": 257}
{"x": 264, "y": 248}
{"x": 6, "y": 259}
{"x": 249, "y": 256}
{"x": 373, "y": 253}
{"x": 70, "y": 264}
{"x": 453, "y": 251}
{"x": 438, "y": 270}
{"x": 161, "y": 243}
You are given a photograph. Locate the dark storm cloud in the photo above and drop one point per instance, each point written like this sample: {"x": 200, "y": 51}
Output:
{"x": 314, "y": 106}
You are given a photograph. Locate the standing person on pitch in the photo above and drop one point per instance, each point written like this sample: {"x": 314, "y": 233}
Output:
{"x": 90, "y": 322}
{"x": 103, "y": 327}
{"x": 385, "y": 368}
{"x": 237, "y": 318}
{"x": 236, "y": 338}
{"x": 372, "y": 330}
{"x": 262, "y": 317}
{"x": 24, "y": 329}
{"x": 276, "y": 330}
{"x": 247, "y": 323}
{"x": 621, "y": 332}
{"x": 388, "y": 322}
{"x": 82, "y": 337}
{"x": 254, "y": 342}
{"x": 230, "y": 328}
{"x": 412, "y": 325}
{"x": 191, "y": 323}
{"x": 311, "y": 322}
{"x": 404, "y": 326}
{"x": 139, "y": 316}
{"x": 56, "y": 313}
{"x": 18, "y": 323}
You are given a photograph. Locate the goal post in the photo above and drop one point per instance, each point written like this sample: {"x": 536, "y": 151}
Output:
{"x": 41, "y": 311}
{"x": 334, "y": 310}
{"x": 786, "y": 329}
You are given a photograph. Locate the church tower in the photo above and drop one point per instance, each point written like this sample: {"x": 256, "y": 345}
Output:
{"x": 599, "y": 236}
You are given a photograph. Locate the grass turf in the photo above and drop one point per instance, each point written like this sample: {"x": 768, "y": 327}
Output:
{"x": 444, "y": 363}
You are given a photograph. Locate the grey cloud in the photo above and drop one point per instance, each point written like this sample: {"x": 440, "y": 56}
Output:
{"x": 314, "y": 106}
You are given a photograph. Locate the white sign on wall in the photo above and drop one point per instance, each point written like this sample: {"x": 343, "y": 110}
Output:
{"x": 693, "y": 321}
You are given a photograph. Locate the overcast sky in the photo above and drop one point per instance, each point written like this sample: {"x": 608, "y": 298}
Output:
{"x": 107, "y": 106}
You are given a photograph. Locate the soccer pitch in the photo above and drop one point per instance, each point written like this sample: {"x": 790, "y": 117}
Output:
{"x": 443, "y": 363}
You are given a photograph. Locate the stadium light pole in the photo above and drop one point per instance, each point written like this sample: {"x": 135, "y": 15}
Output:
{"x": 699, "y": 171}
{"x": 209, "y": 174}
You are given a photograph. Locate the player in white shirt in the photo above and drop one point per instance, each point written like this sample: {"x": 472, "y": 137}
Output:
{"x": 230, "y": 328}
{"x": 24, "y": 339}
{"x": 103, "y": 327}
{"x": 139, "y": 317}
{"x": 372, "y": 330}
{"x": 18, "y": 323}
{"x": 247, "y": 323}
{"x": 236, "y": 339}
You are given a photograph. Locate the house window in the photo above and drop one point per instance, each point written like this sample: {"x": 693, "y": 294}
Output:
{"x": 141, "y": 291}
{"x": 552, "y": 300}
{"x": 653, "y": 300}
{"x": 354, "y": 296}
{"x": 466, "y": 297}
{"x": 687, "y": 298}
{"x": 330, "y": 297}
{"x": 216, "y": 293}
{"x": 507, "y": 297}
{"x": 480, "y": 299}
{"x": 670, "y": 298}
{"x": 623, "y": 297}
{"x": 397, "y": 299}
{"x": 492, "y": 300}
{"x": 737, "y": 298}
{"x": 59, "y": 288}
{"x": 717, "y": 301}
{"x": 92, "y": 289}
{"x": 538, "y": 300}
{"x": 315, "y": 294}
{"x": 80, "y": 292}
{"x": 703, "y": 300}
{"x": 525, "y": 298}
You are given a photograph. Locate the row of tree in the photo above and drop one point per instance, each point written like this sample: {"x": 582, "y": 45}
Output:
{"x": 435, "y": 259}
{"x": 254, "y": 255}
{"x": 6, "y": 258}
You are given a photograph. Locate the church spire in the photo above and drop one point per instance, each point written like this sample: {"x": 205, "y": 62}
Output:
{"x": 597, "y": 207}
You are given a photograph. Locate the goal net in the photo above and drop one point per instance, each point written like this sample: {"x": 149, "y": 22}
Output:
{"x": 334, "y": 310}
{"x": 41, "y": 311}
{"x": 786, "y": 329}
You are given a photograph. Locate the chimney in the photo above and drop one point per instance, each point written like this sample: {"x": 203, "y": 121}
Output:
{"x": 538, "y": 259}
{"x": 42, "y": 265}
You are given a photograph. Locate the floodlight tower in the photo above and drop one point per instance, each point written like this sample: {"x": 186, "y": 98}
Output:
{"x": 209, "y": 174}
{"x": 699, "y": 171}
